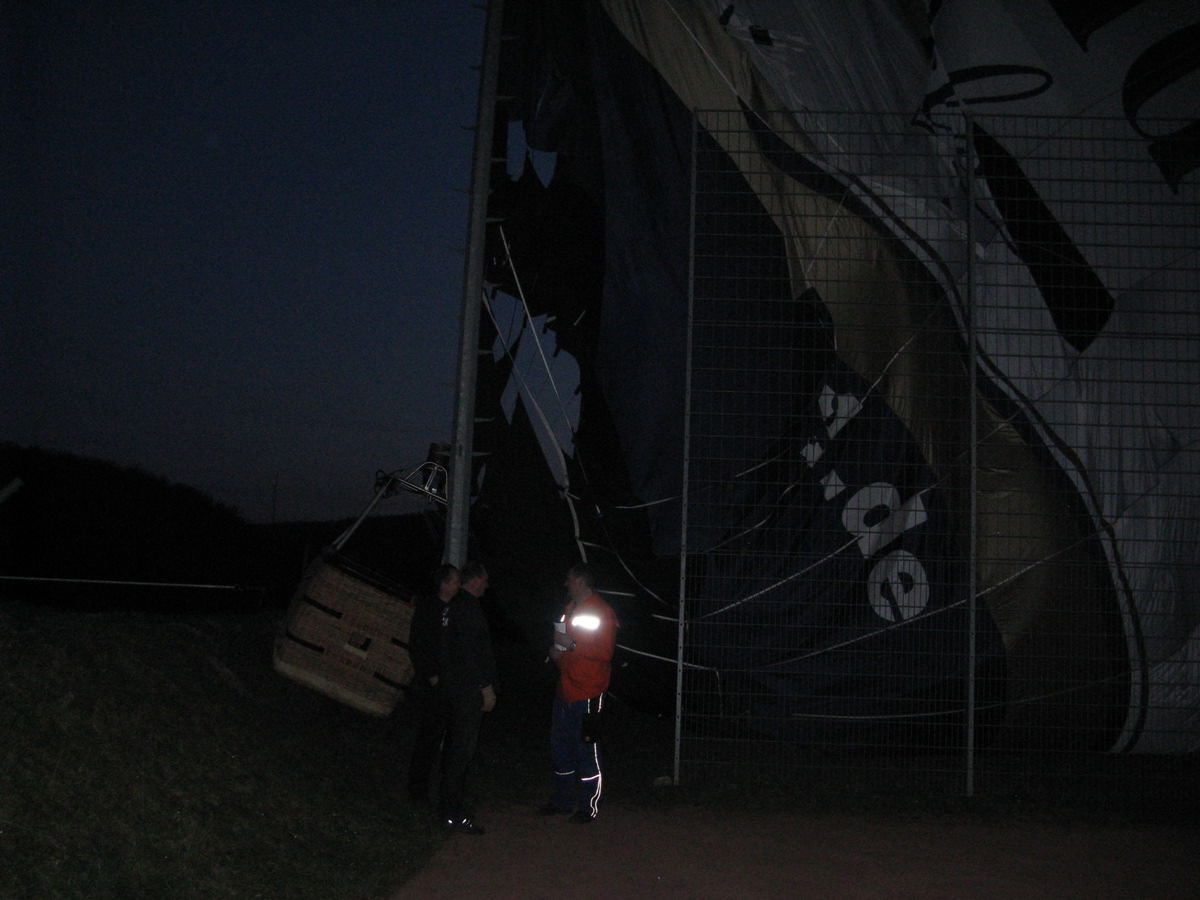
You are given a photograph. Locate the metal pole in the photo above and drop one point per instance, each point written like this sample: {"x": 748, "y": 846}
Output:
{"x": 458, "y": 488}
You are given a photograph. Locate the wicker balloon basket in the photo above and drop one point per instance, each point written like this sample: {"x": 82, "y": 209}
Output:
{"x": 346, "y": 635}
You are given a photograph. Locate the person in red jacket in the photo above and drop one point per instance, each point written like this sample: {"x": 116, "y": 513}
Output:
{"x": 584, "y": 640}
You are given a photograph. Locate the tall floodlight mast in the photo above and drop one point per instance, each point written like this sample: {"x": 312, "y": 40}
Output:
{"x": 462, "y": 440}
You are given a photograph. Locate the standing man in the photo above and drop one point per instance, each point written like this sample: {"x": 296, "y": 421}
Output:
{"x": 424, "y": 638}
{"x": 584, "y": 640}
{"x": 466, "y": 690}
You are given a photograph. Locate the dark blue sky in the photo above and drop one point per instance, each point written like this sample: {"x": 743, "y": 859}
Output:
{"x": 232, "y": 239}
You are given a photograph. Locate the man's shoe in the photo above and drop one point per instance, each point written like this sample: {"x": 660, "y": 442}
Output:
{"x": 549, "y": 809}
{"x": 582, "y": 818}
{"x": 465, "y": 825}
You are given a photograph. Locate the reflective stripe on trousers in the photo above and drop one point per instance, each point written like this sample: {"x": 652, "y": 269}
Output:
{"x": 578, "y": 775}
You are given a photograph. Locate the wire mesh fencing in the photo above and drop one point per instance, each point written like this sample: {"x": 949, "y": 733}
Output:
{"x": 941, "y": 479}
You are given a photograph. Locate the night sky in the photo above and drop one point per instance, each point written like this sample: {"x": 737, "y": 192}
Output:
{"x": 232, "y": 239}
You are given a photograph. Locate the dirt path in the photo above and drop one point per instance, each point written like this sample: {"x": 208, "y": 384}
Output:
{"x": 685, "y": 853}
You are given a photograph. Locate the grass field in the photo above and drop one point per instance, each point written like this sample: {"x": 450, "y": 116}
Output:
{"x": 151, "y": 755}
{"x": 155, "y": 756}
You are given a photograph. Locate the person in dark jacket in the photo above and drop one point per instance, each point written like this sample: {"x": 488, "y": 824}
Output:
{"x": 466, "y": 690}
{"x": 424, "y": 639}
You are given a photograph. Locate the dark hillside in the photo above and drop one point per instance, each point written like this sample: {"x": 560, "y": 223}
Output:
{"x": 75, "y": 519}
{"x": 82, "y": 518}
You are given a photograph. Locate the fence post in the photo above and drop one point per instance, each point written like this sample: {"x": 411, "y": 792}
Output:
{"x": 687, "y": 423}
{"x": 973, "y": 463}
